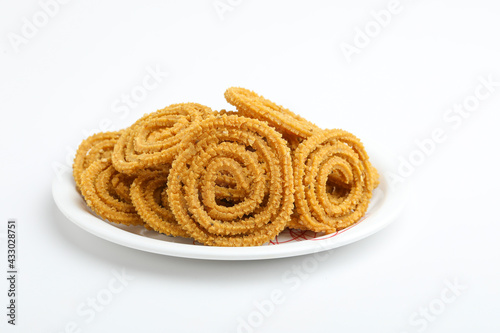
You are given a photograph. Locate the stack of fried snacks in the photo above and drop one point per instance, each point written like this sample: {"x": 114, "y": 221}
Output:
{"x": 226, "y": 178}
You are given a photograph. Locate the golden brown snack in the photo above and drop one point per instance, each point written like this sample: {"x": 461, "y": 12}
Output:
{"x": 293, "y": 127}
{"x": 226, "y": 178}
{"x": 258, "y": 163}
{"x": 146, "y": 192}
{"x": 154, "y": 139}
{"x": 376, "y": 177}
{"x": 227, "y": 113}
{"x": 333, "y": 181}
{"x": 95, "y": 147}
{"x": 292, "y": 141}
{"x": 106, "y": 192}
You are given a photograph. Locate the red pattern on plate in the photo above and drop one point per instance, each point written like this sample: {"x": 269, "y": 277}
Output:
{"x": 297, "y": 235}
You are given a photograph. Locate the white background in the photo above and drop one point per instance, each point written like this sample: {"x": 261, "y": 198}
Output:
{"x": 65, "y": 79}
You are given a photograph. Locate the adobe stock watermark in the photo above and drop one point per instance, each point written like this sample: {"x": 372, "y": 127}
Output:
{"x": 89, "y": 309}
{"x": 453, "y": 118}
{"x": 293, "y": 279}
{"x": 128, "y": 101}
{"x": 222, "y": 7}
{"x": 420, "y": 319}
{"x": 121, "y": 107}
{"x": 31, "y": 26}
{"x": 363, "y": 37}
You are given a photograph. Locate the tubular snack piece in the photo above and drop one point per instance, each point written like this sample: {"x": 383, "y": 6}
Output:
{"x": 147, "y": 192}
{"x": 333, "y": 181}
{"x": 96, "y": 147}
{"x": 107, "y": 193}
{"x": 154, "y": 139}
{"x": 293, "y": 127}
{"x": 256, "y": 160}
{"x": 226, "y": 112}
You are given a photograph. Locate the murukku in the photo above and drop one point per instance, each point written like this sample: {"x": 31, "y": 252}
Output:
{"x": 226, "y": 178}
{"x": 246, "y": 155}
{"x": 148, "y": 194}
{"x": 107, "y": 193}
{"x": 154, "y": 139}
{"x": 95, "y": 147}
{"x": 333, "y": 180}
{"x": 249, "y": 104}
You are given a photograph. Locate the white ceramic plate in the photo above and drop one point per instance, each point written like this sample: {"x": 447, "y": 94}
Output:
{"x": 384, "y": 208}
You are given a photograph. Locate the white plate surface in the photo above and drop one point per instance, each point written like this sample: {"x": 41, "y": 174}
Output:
{"x": 385, "y": 205}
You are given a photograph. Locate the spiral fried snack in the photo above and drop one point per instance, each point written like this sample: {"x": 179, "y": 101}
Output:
{"x": 107, "y": 193}
{"x": 95, "y": 147}
{"x": 241, "y": 154}
{"x": 293, "y": 127}
{"x": 333, "y": 181}
{"x": 148, "y": 194}
{"x": 154, "y": 139}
